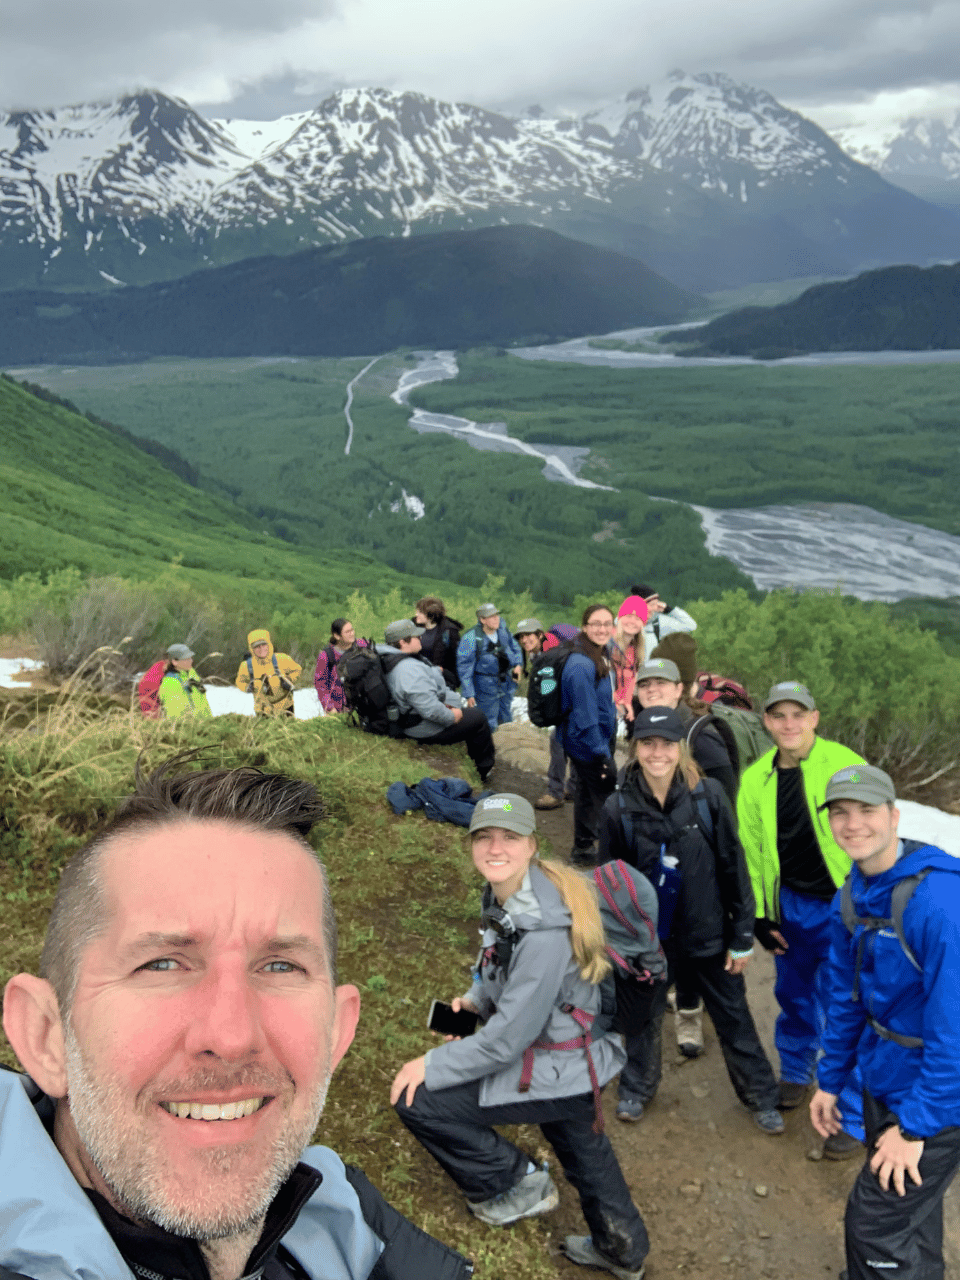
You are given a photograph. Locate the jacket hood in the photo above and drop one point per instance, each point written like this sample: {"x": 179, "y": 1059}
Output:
{"x": 260, "y": 633}
{"x": 915, "y": 856}
{"x": 537, "y": 904}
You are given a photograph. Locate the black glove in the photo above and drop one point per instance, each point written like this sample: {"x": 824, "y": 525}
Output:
{"x": 194, "y": 684}
{"x": 763, "y": 932}
{"x": 265, "y": 685}
{"x": 607, "y": 774}
{"x": 286, "y": 685}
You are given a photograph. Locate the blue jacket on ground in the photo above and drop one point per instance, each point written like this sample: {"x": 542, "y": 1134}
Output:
{"x": 478, "y": 667}
{"x": 586, "y": 732}
{"x": 920, "y": 1086}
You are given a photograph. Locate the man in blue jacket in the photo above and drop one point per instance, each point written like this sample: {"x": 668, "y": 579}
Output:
{"x": 893, "y": 1010}
{"x": 489, "y": 664}
{"x": 179, "y": 1044}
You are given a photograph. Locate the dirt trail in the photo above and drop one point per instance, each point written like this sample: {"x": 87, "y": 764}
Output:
{"x": 718, "y": 1196}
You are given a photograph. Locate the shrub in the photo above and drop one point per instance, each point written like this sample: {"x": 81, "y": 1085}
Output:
{"x": 887, "y": 690}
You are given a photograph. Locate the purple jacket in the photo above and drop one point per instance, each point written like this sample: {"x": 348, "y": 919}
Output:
{"x": 327, "y": 682}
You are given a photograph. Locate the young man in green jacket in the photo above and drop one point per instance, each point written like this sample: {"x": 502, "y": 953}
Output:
{"x": 796, "y": 867}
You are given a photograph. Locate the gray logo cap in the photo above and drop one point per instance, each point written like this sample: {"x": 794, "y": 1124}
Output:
{"x": 506, "y": 810}
{"x": 178, "y": 652}
{"x": 527, "y": 626}
{"x": 402, "y": 630}
{"x": 863, "y": 782}
{"x": 789, "y": 691}
{"x": 487, "y": 611}
{"x": 659, "y": 669}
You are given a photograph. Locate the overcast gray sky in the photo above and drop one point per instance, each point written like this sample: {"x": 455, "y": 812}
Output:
{"x": 839, "y": 61}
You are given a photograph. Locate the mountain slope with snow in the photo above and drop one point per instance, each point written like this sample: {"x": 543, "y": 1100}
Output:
{"x": 921, "y": 154}
{"x": 710, "y": 182}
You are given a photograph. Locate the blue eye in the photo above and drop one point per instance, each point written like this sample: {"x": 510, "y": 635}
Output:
{"x": 163, "y": 965}
{"x": 281, "y": 966}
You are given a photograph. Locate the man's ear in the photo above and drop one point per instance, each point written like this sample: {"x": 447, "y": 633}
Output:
{"x": 816, "y": 718}
{"x": 31, "y": 1019}
{"x": 345, "y": 1022}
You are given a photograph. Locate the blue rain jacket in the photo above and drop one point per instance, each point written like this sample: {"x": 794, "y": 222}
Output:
{"x": 482, "y": 674}
{"x": 920, "y": 1086}
{"x": 587, "y": 731}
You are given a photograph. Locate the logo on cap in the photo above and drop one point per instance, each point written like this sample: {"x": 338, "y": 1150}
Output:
{"x": 498, "y": 804}
{"x": 657, "y": 719}
{"x": 853, "y": 777}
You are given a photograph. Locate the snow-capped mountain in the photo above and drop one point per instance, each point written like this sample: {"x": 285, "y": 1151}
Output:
{"x": 921, "y": 154}
{"x": 710, "y": 182}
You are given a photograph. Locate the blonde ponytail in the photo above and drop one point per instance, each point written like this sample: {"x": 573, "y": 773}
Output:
{"x": 587, "y": 939}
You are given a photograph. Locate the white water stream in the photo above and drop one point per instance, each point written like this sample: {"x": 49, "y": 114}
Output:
{"x": 863, "y": 552}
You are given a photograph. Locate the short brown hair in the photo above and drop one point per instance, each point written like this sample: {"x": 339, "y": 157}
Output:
{"x": 432, "y": 607}
{"x": 245, "y": 796}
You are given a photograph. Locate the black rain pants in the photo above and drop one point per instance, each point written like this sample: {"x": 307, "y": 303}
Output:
{"x": 459, "y": 1134}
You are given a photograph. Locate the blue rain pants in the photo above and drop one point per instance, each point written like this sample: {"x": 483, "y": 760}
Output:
{"x": 801, "y": 993}
{"x": 495, "y": 699}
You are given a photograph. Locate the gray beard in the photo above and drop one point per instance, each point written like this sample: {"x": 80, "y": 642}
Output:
{"x": 131, "y": 1166}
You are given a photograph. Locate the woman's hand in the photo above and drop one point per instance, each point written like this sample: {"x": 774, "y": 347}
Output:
{"x": 410, "y": 1077}
{"x": 471, "y": 702}
{"x": 456, "y": 1005}
{"x": 736, "y": 964}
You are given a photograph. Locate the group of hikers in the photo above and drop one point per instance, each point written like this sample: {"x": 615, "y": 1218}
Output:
{"x": 702, "y": 840}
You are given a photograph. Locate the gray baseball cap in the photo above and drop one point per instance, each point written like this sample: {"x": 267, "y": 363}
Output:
{"x": 863, "y": 782}
{"x": 659, "y": 669}
{"x": 789, "y": 691}
{"x": 179, "y": 652}
{"x": 487, "y": 611}
{"x": 526, "y": 626}
{"x": 506, "y": 810}
{"x": 404, "y": 629}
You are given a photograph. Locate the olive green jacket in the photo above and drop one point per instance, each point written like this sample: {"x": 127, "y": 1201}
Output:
{"x": 757, "y": 816}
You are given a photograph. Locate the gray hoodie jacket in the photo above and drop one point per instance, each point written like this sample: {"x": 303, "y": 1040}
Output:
{"x": 418, "y": 686}
{"x": 524, "y": 1005}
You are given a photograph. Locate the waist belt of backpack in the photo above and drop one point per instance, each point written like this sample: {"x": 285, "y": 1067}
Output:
{"x": 585, "y": 1020}
{"x": 906, "y": 1042}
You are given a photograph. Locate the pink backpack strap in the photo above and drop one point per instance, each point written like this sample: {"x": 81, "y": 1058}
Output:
{"x": 585, "y": 1021}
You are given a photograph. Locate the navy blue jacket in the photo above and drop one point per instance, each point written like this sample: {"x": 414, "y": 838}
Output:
{"x": 587, "y": 730}
{"x": 920, "y": 1086}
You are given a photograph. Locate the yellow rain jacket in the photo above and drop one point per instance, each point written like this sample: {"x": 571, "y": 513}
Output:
{"x": 270, "y": 680}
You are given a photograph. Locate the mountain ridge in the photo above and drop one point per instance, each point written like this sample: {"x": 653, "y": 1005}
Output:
{"x": 711, "y": 183}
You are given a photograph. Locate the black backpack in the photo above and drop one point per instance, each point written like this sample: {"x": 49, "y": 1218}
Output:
{"x": 544, "y": 696}
{"x": 363, "y": 674}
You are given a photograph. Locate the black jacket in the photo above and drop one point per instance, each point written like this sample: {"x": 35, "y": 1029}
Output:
{"x": 715, "y": 910}
{"x": 439, "y": 644}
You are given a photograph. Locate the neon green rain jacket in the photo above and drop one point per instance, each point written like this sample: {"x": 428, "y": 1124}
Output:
{"x": 178, "y": 699}
{"x": 757, "y": 816}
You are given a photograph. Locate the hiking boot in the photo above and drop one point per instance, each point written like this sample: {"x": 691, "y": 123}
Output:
{"x": 841, "y": 1146}
{"x": 533, "y": 1195}
{"x": 792, "y": 1095}
{"x": 629, "y": 1110}
{"x": 689, "y": 1024}
{"x": 547, "y": 801}
{"x": 580, "y": 1249}
{"x": 769, "y": 1121}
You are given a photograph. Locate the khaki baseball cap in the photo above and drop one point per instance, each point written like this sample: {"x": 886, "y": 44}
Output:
{"x": 789, "y": 691}
{"x": 404, "y": 629}
{"x": 506, "y": 810}
{"x": 863, "y": 782}
{"x": 487, "y": 611}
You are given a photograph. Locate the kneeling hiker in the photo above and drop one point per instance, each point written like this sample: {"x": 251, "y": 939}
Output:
{"x": 892, "y": 1010}
{"x": 429, "y": 710}
{"x": 530, "y": 1062}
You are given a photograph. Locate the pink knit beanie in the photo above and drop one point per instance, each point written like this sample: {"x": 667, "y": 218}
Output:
{"x": 634, "y": 604}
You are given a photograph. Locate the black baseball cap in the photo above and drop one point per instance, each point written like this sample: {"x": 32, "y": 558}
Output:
{"x": 659, "y": 722}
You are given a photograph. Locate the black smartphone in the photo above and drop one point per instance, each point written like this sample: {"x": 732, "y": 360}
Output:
{"x": 448, "y": 1022}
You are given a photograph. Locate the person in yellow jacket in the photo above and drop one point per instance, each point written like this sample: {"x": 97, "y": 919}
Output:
{"x": 181, "y": 691}
{"x": 269, "y": 676}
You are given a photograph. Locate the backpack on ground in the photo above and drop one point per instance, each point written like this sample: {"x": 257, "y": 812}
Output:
{"x": 148, "y": 690}
{"x": 742, "y": 732}
{"x": 363, "y": 674}
{"x": 544, "y": 694}
{"x": 903, "y": 891}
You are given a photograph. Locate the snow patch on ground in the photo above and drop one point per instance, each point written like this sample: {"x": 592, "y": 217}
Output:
{"x": 227, "y": 700}
{"x": 11, "y": 668}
